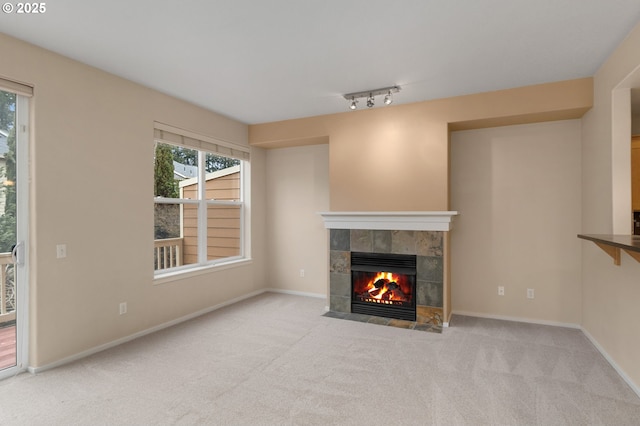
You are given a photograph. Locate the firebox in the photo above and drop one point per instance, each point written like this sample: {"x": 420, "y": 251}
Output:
{"x": 383, "y": 285}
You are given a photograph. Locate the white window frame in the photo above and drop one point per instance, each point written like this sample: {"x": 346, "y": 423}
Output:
{"x": 205, "y": 145}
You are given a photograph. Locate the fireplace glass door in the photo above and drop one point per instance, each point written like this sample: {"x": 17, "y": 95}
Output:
{"x": 383, "y": 285}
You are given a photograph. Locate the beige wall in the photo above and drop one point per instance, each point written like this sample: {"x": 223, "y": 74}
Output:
{"x": 396, "y": 158}
{"x": 297, "y": 189}
{"x": 611, "y": 294}
{"x": 92, "y": 190}
{"x": 517, "y": 189}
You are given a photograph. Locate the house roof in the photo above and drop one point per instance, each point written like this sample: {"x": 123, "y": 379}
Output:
{"x": 213, "y": 175}
{"x": 281, "y": 59}
{"x": 184, "y": 171}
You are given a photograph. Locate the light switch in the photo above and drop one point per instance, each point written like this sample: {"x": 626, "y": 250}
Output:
{"x": 61, "y": 251}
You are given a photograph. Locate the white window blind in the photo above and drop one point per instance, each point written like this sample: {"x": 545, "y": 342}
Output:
{"x": 171, "y": 135}
{"x": 15, "y": 87}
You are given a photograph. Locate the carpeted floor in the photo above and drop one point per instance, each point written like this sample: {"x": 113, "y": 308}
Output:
{"x": 276, "y": 360}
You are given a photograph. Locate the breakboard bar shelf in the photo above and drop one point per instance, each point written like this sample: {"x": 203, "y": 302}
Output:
{"x": 612, "y": 244}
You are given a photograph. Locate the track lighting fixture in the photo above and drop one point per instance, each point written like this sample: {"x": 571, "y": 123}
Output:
{"x": 370, "y": 96}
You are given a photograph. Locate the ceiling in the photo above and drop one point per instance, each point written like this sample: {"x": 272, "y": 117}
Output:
{"x": 260, "y": 61}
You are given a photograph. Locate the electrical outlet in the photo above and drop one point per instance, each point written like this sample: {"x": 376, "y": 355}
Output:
{"x": 530, "y": 294}
{"x": 500, "y": 291}
{"x": 61, "y": 251}
{"x": 302, "y": 273}
{"x": 123, "y": 308}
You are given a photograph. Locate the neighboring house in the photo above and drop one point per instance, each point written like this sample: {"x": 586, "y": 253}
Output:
{"x": 223, "y": 221}
{"x": 184, "y": 171}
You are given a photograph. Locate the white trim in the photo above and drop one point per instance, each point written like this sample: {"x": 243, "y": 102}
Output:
{"x": 114, "y": 343}
{"x": 516, "y": 319}
{"x": 188, "y": 272}
{"x": 23, "y": 200}
{"x": 175, "y": 135}
{"x": 615, "y": 366}
{"x": 23, "y": 89}
{"x": 297, "y": 293}
{"x": 404, "y": 221}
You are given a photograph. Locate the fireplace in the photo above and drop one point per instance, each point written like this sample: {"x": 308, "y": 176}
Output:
{"x": 422, "y": 236}
{"x": 383, "y": 285}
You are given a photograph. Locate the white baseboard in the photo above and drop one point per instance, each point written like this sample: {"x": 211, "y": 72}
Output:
{"x": 94, "y": 350}
{"x": 517, "y": 319}
{"x": 615, "y": 366}
{"x": 297, "y": 293}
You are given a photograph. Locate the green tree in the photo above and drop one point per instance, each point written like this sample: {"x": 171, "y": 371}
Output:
{"x": 7, "y": 110}
{"x": 8, "y": 218}
{"x": 213, "y": 163}
{"x": 185, "y": 156}
{"x": 164, "y": 182}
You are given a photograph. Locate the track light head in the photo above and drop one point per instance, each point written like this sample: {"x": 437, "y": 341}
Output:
{"x": 354, "y": 103}
{"x": 370, "y": 101}
{"x": 388, "y": 99}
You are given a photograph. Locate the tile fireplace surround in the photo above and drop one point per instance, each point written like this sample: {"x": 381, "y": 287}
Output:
{"x": 418, "y": 233}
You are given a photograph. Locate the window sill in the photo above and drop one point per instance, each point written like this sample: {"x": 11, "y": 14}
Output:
{"x": 179, "y": 275}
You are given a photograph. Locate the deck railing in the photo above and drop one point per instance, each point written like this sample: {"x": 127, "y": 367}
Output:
{"x": 7, "y": 289}
{"x": 168, "y": 253}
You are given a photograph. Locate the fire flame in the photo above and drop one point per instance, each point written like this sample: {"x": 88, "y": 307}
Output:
{"x": 384, "y": 288}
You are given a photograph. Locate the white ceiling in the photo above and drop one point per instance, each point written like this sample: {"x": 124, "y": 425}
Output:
{"x": 267, "y": 60}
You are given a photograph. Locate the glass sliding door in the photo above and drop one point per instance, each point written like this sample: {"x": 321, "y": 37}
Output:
{"x": 13, "y": 212}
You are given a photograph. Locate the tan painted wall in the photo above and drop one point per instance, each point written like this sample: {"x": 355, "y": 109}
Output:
{"x": 298, "y": 188}
{"x": 611, "y": 294}
{"x": 518, "y": 190}
{"x": 92, "y": 190}
{"x": 396, "y": 158}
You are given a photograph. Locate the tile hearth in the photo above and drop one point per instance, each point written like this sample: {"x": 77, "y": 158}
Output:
{"x": 412, "y": 325}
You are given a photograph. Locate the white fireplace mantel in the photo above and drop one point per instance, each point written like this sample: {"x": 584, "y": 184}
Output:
{"x": 403, "y": 221}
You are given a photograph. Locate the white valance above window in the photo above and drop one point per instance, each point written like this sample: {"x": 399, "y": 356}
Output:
{"x": 172, "y": 135}
{"x": 15, "y": 87}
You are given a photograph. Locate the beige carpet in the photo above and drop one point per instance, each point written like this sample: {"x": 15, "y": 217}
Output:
{"x": 275, "y": 360}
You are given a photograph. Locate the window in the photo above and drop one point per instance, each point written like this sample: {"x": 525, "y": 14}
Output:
{"x": 199, "y": 196}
